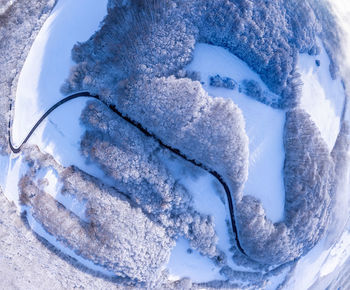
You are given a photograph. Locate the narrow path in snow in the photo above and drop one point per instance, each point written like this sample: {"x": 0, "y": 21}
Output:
{"x": 147, "y": 133}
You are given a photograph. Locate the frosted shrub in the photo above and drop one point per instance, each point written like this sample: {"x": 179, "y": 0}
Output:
{"x": 222, "y": 82}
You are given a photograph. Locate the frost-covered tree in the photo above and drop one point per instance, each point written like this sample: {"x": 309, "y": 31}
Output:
{"x": 128, "y": 156}
{"x": 309, "y": 179}
{"x": 222, "y": 82}
{"x": 152, "y": 89}
{"x": 180, "y": 112}
{"x": 116, "y": 234}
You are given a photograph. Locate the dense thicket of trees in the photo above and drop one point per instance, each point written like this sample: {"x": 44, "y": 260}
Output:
{"x": 179, "y": 111}
{"x": 136, "y": 62}
{"x": 128, "y": 156}
{"x": 156, "y": 38}
{"x": 117, "y": 234}
{"x": 309, "y": 179}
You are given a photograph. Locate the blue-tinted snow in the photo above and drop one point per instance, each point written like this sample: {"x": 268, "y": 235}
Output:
{"x": 322, "y": 97}
{"x": 264, "y": 126}
{"x": 44, "y": 71}
{"x": 49, "y": 60}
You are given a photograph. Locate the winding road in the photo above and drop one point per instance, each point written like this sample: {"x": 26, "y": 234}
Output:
{"x": 147, "y": 133}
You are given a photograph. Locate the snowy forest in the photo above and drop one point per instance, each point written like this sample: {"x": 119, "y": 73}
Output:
{"x": 128, "y": 221}
{"x": 152, "y": 88}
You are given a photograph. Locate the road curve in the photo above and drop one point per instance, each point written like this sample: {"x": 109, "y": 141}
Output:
{"x": 147, "y": 133}
{"x": 43, "y": 117}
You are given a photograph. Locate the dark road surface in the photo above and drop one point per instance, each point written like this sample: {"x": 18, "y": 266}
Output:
{"x": 55, "y": 106}
{"x": 147, "y": 133}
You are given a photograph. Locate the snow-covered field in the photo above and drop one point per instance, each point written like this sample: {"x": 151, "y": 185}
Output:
{"x": 209, "y": 198}
{"x": 184, "y": 263}
{"x": 45, "y": 69}
{"x": 49, "y": 60}
{"x": 264, "y": 126}
{"x": 322, "y": 97}
{"x": 322, "y": 260}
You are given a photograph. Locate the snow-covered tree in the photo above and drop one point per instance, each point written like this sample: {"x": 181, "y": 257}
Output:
{"x": 309, "y": 179}
{"x": 128, "y": 156}
{"x": 179, "y": 112}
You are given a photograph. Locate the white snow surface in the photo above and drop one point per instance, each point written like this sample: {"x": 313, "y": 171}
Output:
{"x": 49, "y": 60}
{"x": 191, "y": 264}
{"x": 48, "y": 181}
{"x": 44, "y": 71}
{"x": 4, "y": 166}
{"x": 337, "y": 255}
{"x": 322, "y": 260}
{"x": 322, "y": 97}
{"x": 264, "y": 126}
{"x": 210, "y": 199}
{"x": 13, "y": 169}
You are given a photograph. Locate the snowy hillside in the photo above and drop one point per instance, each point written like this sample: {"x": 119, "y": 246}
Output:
{"x": 322, "y": 97}
{"x": 264, "y": 126}
{"x": 43, "y": 73}
{"x": 164, "y": 214}
{"x": 49, "y": 60}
